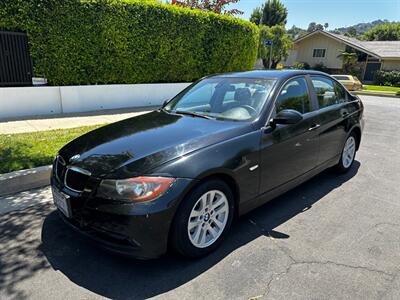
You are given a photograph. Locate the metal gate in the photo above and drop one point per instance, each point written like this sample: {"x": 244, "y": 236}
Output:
{"x": 15, "y": 60}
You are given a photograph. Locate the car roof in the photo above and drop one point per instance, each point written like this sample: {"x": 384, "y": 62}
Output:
{"x": 270, "y": 74}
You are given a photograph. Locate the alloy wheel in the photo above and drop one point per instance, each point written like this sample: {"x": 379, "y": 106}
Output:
{"x": 208, "y": 219}
{"x": 349, "y": 152}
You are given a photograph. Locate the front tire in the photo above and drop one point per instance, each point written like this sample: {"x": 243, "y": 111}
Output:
{"x": 348, "y": 154}
{"x": 203, "y": 219}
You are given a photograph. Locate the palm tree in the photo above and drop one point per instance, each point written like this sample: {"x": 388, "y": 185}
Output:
{"x": 348, "y": 58}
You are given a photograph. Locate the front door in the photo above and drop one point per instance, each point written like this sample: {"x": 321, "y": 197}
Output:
{"x": 370, "y": 70}
{"x": 289, "y": 151}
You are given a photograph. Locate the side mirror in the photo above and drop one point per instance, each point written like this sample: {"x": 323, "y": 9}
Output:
{"x": 287, "y": 116}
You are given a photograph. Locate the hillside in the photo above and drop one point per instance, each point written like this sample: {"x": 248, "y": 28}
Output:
{"x": 361, "y": 27}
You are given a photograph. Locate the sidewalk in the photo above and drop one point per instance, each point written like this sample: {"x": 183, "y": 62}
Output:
{"x": 69, "y": 121}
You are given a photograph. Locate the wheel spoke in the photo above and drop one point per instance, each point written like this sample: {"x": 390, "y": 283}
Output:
{"x": 196, "y": 213}
{"x": 218, "y": 223}
{"x": 203, "y": 202}
{"x": 210, "y": 197}
{"x": 203, "y": 236}
{"x": 196, "y": 234}
{"x": 193, "y": 224}
{"x": 218, "y": 203}
{"x": 212, "y": 231}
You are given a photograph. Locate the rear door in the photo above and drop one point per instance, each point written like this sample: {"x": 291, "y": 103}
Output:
{"x": 333, "y": 112}
{"x": 289, "y": 151}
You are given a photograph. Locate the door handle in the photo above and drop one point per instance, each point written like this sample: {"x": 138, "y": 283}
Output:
{"x": 313, "y": 127}
{"x": 345, "y": 113}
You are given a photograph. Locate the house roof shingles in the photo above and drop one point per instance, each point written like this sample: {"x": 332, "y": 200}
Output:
{"x": 381, "y": 49}
{"x": 384, "y": 49}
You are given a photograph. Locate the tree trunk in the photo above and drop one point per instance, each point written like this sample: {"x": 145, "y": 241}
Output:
{"x": 274, "y": 64}
{"x": 265, "y": 63}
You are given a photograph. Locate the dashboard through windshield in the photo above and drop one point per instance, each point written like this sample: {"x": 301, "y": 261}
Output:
{"x": 231, "y": 98}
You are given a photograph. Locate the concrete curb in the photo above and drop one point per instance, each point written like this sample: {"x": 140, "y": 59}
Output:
{"x": 23, "y": 180}
{"x": 374, "y": 94}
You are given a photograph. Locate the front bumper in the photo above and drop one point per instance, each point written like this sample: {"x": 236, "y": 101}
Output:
{"x": 134, "y": 229}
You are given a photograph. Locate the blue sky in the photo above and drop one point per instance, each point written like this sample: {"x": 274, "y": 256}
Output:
{"x": 338, "y": 13}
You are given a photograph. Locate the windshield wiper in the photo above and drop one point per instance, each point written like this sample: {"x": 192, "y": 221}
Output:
{"x": 193, "y": 114}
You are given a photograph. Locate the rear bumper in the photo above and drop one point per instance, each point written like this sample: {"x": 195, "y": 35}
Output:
{"x": 137, "y": 230}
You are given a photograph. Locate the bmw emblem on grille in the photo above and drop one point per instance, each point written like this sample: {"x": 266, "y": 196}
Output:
{"x": 74, "y": 158}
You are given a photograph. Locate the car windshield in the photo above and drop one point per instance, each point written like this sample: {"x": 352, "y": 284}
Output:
{"x": 239, "y": 99}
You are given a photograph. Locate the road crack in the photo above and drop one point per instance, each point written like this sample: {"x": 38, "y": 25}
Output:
{"x": 295, "y": 262}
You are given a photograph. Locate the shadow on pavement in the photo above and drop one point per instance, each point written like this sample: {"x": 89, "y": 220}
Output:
{"x": 118, "y": 277}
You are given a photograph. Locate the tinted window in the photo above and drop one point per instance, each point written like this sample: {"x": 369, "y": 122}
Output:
{"x": 340, "y": 93}
{"x": 328, "y": 91}
{"x": 294, "y": 95}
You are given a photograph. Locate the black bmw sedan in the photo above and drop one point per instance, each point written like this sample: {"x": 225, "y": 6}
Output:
{"x": 175, "y": 178}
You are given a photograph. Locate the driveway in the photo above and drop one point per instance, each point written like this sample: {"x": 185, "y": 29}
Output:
{"x": 334, "y": 237}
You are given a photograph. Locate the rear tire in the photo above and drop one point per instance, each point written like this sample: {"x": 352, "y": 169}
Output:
{"x": 348, "y": 154}
{"x": 203, "y": 219}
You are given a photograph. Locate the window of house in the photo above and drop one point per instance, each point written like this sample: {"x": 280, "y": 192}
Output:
{"x": 319, "y": 52}
{"x": 294, "y": 95}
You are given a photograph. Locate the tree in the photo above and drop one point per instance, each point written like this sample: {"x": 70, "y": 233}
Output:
{"x": 256, "y": 15}
{"x": 281, "y": 43}
{"x": 348, "y": 58}
{"x": 326, "y": 25}
{"x": 314, "y": 26}
{"x": 384, "y": 32}
{"x": 274, "y": 13}
{"x": 217, "y": 6}
{"x": 351, "y": 32}
{"x": 296, "y": 32}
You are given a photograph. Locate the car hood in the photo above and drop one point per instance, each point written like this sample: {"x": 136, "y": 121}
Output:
{"x": 134, "y": 146}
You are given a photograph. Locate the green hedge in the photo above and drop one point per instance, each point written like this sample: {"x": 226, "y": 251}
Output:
{"x": 98, "y": 42}
{"x": 388, "y": 78}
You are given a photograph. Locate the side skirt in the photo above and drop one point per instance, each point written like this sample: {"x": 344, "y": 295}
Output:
{"x": 271, "y": 194}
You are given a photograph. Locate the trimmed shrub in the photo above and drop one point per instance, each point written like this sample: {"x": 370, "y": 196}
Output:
{"x": 321, "y": 67}
{"x": 388, "y": 78}
{"x": 130, "y": 41}
{"x": 301, "y": 66}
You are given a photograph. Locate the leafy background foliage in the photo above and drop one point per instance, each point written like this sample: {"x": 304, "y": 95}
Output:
{"x": 388, "y": 78}
{"x": 384, "y": 32}
{"x": 130, "y": 41}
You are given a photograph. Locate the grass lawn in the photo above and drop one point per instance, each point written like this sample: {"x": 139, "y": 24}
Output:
{"x": 381, "y": 88}
{"x": 28, "y": 150}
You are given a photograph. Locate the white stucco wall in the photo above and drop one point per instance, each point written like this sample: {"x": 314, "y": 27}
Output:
{"x": 33, "y": 101}
{"x": 390, "y": 64}
{"x": 29, "y": 101}
{"x": 304, "y": 51}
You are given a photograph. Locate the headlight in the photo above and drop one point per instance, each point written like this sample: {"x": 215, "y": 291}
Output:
{"x": 136, "y": 189}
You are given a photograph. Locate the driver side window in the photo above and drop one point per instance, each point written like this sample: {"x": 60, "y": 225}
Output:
{"x": 294, "y": 95}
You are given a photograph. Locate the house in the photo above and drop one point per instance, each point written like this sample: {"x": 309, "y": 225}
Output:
{"x": 325, "y": 47}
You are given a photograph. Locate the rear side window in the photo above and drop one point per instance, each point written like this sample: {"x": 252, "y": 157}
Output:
{"x": 294, "y": 95}
{"x": 328, "y": 91}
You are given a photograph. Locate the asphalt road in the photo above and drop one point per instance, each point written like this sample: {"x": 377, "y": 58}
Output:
{"x": 334, "y": 237}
